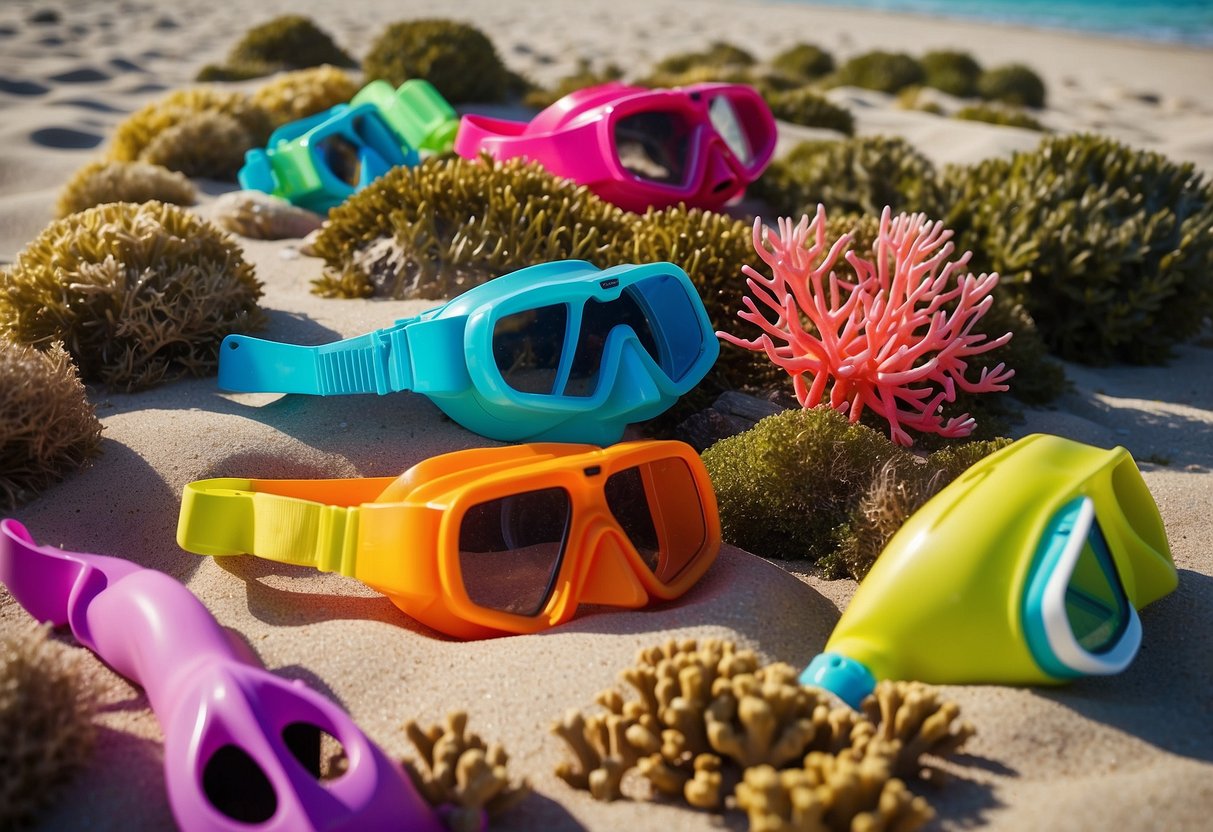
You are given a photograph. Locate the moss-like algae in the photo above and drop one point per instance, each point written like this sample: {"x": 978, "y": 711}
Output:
{"x": 804, "y": 61}
{"x": 138, "y": 293}
{"x": 1002, "y": 116}
{"x": 1107, "y": 247}
{"x": 950, "y": 71}
{"x": 304, "y": 92}
{"x": 287, "y": 42}
{"x": 1013, "y": 84}
{"x": 46, "y": 727}
{"x": 794, "y": 487}
{"x": 808, "y": 108}
{"x": 47, "y": 425}
{"x": 880, "y": 70}
{"x": 857, "y": 175}
{"x": 99, "y": 182}
{"x": 457, "y": 58}
{"x": 139, "y": 137}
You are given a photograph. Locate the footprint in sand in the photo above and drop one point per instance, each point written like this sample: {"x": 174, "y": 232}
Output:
{"x": 65, "y": 138}
{"x": 82, "y": 75}
{"x": 19, "y": 86}
{"x": 89, "y": 104}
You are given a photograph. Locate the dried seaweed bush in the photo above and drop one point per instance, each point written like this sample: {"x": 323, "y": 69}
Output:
{"x": 46, "y": 727}
{"x": 435, "y": 230}
{"x": 718, "y": 55}
{"x": 1107, "y": 247}
{"x": 807, "y": 108}
{"x": 290, "y": 41}
{"x": 457, "y": 58}
{"x": 858, "y": 175}
{"x": 708, "y": 716}
{"x": 47, "y": 425}
{"x": 854, "y": 487}
{"x": 1002, "y": 116}
{"x": 879, "y": 70}
{"x": 304, "y": 92}
{"x": 99, "y": 182}
{"x": 138, "y": 293}
{"x": 139, "y": 137}
{"x": 1013, "y": 84}
{"x": 461, "y": 773}
{"x": 804, "y": 61}
{"x": 950, "y": 71}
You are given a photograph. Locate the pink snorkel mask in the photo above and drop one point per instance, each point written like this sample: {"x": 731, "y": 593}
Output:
{"x": 640, "y": 148}
{"x": 241, "y": 745}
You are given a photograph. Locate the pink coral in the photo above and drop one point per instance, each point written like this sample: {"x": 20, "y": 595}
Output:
{"x": 895, "y": 342}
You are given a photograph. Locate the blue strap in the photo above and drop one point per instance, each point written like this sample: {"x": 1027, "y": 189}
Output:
{"x": 374, "y": 363}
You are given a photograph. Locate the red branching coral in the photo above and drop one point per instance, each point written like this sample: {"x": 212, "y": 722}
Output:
{"x": 894, "y": 339}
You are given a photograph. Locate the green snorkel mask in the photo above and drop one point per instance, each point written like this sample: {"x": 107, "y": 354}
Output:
{"x": 1028, "y": 569}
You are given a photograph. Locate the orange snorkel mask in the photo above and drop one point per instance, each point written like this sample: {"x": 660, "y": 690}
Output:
{"x": 484, "y": 542}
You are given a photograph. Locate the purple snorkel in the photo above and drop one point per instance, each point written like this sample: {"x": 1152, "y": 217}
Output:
{"x": 241, "y": 745}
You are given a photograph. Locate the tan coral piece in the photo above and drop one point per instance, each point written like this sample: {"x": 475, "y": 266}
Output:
{"x": 911, "y": 715}
{"x": 462, "y": 772}
{"x": 602, "y": 751}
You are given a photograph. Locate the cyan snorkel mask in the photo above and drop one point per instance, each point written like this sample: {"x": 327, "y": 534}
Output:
{"x": 560, "y": 352}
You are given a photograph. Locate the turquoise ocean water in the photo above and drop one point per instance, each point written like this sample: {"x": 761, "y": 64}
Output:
{"x": 1174, "y": 21}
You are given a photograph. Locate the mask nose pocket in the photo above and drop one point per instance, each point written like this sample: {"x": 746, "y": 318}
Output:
{"x": 237, "y": 787}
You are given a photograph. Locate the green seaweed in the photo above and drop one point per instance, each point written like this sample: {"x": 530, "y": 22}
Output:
{"x": 1013, "y": 84}
{"x": 950, "y": 71}
{"x": 457, "y": 58}
{"x": 807, "y": 484}
{"x": 1107, "y": 247}
{"x": 138, "y": 293}
{"x": 1002, "y": 116}
{"x": 880, "y": 70}
{"x": 807, "y": 108}
{"x": 805, "y": 61}
{"x": 287, "y": 42}
{"x": 100, "y": 182}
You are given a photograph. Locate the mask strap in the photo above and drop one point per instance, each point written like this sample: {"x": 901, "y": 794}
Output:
{"x": 228, "y": 517}
{"x": 377, "y": 362}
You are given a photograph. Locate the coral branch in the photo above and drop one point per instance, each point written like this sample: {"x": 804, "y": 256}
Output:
{"x": 895, "y": 340}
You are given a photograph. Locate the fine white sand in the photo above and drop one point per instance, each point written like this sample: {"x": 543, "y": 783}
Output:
{"x": 1132, "y": 752}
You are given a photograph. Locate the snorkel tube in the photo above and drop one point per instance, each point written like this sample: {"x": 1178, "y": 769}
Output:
{"x": 982, "y": 582}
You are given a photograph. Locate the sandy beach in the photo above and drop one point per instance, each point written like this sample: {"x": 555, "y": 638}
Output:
{"x": 1127, "y": 752}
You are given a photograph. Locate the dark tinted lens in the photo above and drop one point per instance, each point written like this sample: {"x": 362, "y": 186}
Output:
{"x": 657, "y": 505}
{"x": 653, "y": 146}
{"x": 1096, "y": 606}
{"x": 728, "y": 124}
{"x": 597, "y": 320}
{"x": 510, "y": 549}
{"x": 340, "y": 156}
{"x": 527, "y": 347}
{"x": 677, "y": 330}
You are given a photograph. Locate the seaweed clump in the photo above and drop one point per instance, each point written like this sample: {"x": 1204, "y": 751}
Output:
{"x": 457, "y": 58}
{"x": 47, "y": 425}
{"x": 859, "y": 175}
{"x": 804, "y": 61}
{"x": 435, "y": 230}
{"x": 881, "y": 71}
{"x": 856, "y": 487}
{"x": 46, "y": 727}
{"x": 953, "y": 72}
{"x": 707, "y": 716}
{"x": 202, "y": 131}
{"x": 1002, "y": 116}
{"x": 1107, "y": 247}
{"x": 807, "y": 108}
{"x": 1014, "y": 84}
{"x": 585, "y": 75}
{"x": 100, "y": 182}
{"x": 138, "y": 293}
{"x": 304, "y": 92}
{"x": 290, "y": 41}
{"x": 463, "y": 774}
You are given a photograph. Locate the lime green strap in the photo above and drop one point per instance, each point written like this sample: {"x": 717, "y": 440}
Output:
{"x": 226, "y": 517}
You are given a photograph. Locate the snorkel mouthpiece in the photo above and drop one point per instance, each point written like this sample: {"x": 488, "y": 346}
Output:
{"x": 846, "y": 678}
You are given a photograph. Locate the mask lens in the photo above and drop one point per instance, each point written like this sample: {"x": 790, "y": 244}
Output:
{"x": 1096, "y": 606}
{"x": 341, "y": 157}
{"x": 728, "y": 124}
{"x": 658, "y": 507}
{"x": 510, "y": 550}
{"x": 653, "y": 146}
{"x": 660, "y": 313}
{"x": 527, "y": 347}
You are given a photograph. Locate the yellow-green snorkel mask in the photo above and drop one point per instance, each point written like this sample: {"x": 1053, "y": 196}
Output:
{"x": 1028, "y": 569}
